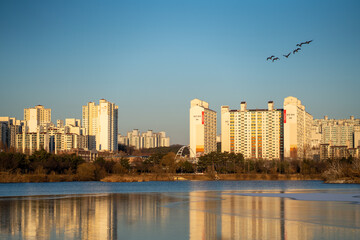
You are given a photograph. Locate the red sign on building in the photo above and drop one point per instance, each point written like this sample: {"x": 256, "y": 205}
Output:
{"x": 203, "y": 118}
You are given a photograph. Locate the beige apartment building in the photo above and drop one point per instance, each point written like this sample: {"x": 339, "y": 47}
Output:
{"x": 336, "y": 138}
{"x": 148, "y": 139}
{"x": 297, "y": 129}
{"x": 202, "y": 128}
{"x": 53, "y": 139}
{"x": 37, "y": 116}
{"x": 101, "y": 124}
{"x": 255, "y": 133}
{"x": 9, "y": 127}
{"x": 338, "y": 132}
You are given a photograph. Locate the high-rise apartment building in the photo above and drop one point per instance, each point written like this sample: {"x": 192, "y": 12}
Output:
{"x": 101, "y": 124}
{"x": 28, "y": 142}
{"x": 297, "y": 129}
{"x": 147, "y": 139}
{"x": 53, "y": 139}
{"x": 90, "y": 119}
{"x": 335, "y": 138}
{"x": 37, "y": 116}
{"x": 9, "y": 127}
{"x": 202, "y": 128}
{"x": 337, "y": 132}
{"x": 106, "y": 138}
{"x": 256, "y": 133}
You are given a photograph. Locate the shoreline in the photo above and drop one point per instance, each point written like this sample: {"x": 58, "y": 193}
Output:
{"x": 205, "y": 177}
{"x": 146, "y": 177}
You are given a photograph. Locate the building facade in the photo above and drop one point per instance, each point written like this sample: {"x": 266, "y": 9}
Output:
{"x": 255, "y": 133}
{"x": 338, "y": 132}
{"x": 101, "y": 124}
{"x": 53, "y": 139}
{"x": 90, "y": 117}
{"x": 147, "y": 139}
{"x": 336, "y": 138}
{"x": 37, "y": 116}
{"x": 9, "y": 127}
{"x": 202, "y": 128}
{"x": 297, "y": 129}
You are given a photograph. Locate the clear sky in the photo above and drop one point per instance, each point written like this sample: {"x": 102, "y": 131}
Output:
{"x": 151, "y": 57}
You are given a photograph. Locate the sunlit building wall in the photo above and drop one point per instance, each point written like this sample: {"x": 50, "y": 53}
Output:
{"x": 202, "y": 128}
{"x": 9, "y": 127}
{"x": 338, "y": 132}
{"x": 106, "y": 138}
{"x": 297, "y": 129}
{"x": 101, "y": 124}
{"x": 52, "y": 140}
{"x": 28, "y": 142}
{"x": 37, "y": 116}
{"x": 256, "y": 133}
{"x": 90, "y": 114}
{"x": 148, "y": 139}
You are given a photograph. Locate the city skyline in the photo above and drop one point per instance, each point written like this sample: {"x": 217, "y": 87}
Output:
{"x": 152, "y": 58}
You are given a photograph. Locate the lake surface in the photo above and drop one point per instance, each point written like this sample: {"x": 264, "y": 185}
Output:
{"x": 180, "y": 210}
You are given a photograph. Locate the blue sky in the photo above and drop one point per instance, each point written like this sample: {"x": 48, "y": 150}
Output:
{"x": 152, "y": 57}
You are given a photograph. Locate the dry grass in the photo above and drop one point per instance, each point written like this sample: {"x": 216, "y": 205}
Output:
{"x": 206, "y": 177}
{"x": 27, "y": 178}
{"x": 18, "y": 178}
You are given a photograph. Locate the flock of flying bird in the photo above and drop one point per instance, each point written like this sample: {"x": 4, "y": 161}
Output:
{"x": 273, "y": 58}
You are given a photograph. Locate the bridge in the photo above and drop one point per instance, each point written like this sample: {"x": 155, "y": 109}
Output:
{"x": 180, "y": 156}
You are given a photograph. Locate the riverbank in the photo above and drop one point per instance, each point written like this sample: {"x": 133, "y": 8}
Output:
{"x": 206, "y": 177}
{"x": 146, "y": 177}
{"x": 28, "y": 178}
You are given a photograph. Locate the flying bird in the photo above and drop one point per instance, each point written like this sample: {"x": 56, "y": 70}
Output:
{"x": 296, "y": 50}
{"x": 307, "y": 42}
{"x": 274, "y": 59}
{"x": 299, "y": 44}
{"x": 269, "y": 58}
{"x": 287, "y": 55}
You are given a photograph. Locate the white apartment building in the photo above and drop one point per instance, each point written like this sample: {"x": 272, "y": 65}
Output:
{"x": 337, "y": 132}
{"x": 90, "y": 118}
{"x": 297, "y": 129}
{"x": 357, "y": 137}
{"x": 255, "y": 133}
{"x": 202, "y": 128}
{"x": 9, "y": 127}
{"x": 101, "y": 124}
{"x": 147, "y": 139}
{"x": 335, "y": 138}
{"x": 53, "y": 139}
{"x": 28, "y": 142}
{"x": 37, "y": 116}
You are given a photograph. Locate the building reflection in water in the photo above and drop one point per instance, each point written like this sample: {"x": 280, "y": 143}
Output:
{"x": 249, "y": 217}
{"x": 194, "y": 215}
{"x": 80, "y": 217}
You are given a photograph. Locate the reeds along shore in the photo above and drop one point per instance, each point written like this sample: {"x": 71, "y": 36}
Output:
{"x": 145, "y": 177}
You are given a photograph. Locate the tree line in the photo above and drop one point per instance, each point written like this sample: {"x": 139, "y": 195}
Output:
{"x": 163, "y": 162}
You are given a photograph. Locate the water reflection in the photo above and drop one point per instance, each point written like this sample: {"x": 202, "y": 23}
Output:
{"x": 194, "y": 215}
